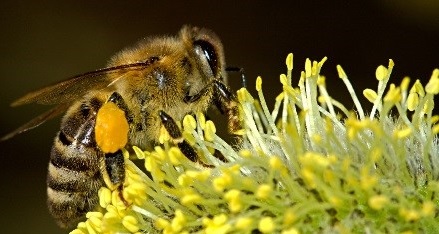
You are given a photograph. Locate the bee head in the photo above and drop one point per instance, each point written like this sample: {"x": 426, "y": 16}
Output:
{"x": 208, "y": 50}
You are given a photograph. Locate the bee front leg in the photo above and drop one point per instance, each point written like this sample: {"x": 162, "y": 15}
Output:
{"x": 227, "y": 103}
{"x": 223, "y": 99}
{"x": 178, "y": 139}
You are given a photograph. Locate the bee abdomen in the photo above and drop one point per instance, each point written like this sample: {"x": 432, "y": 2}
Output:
{"x": 66, "y": 180}
{"x": 73, "y": 156}
{"x": 73, "y": 180}
{"x": 68, "y": 208}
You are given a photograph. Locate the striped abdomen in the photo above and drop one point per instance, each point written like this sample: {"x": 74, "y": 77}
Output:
{"x": 74, "y": 177}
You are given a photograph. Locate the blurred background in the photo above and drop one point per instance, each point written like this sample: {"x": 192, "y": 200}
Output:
{"x": 45, "y": 41}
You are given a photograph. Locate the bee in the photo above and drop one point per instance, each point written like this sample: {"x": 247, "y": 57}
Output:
{"x": 144, "y": 88}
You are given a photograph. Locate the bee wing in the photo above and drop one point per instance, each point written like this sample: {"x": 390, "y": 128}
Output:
{"x": 65, "y": 92}
{"x": 37, "y": 121}
{"x": 75, "y": 87}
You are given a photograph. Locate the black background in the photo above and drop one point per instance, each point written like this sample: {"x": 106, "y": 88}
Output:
{"x": 44, "y": 42}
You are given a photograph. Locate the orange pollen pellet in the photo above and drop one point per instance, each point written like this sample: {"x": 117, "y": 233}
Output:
{"x": 111, "y": 129}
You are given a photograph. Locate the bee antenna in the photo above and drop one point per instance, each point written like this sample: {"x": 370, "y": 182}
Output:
{"x": 241, "y": 71}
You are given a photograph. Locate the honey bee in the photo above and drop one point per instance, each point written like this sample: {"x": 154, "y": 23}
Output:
{"x": 151, "y": 85}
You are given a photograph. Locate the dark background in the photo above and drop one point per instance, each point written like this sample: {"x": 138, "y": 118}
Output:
{"x": 44, "y": 42}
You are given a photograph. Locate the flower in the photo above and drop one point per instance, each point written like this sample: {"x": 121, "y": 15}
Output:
{"x": 308, "y": 165}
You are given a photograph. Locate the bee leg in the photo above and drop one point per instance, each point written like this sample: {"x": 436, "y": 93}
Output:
{"x": 115, "y": 167}
{"x": 241, "y": 71}
{"x": 227, "y": 103}
{"x": 117, "y": 99}
{"x": 223, "y": 99}
{"x": 114, "y": 172}
{"x": 177, "y": 138}
{"x": 114, "y": 162}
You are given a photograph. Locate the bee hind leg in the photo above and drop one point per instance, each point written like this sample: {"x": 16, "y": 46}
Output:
{"x": 177, "y": 137}
{"x": 117, "y": 99}
{"x": 113, "y": 166}
{"x": 113, "y": 171}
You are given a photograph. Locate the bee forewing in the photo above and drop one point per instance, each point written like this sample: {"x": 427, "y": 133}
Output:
{"x": 75, "y": 87}
{"x": 35, "y": 122}
{"x": 65, "y": 91}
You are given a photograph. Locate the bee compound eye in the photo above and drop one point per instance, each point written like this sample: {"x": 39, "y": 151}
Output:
{"x": 209, "y": 52}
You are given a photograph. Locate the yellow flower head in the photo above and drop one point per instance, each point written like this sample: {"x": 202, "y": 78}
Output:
{"x": 308, "y": 164}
